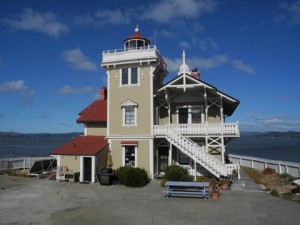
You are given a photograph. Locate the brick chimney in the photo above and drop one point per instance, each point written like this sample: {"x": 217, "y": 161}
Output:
{"x": 196, "y": 74}
{"x": 103, "y": 93}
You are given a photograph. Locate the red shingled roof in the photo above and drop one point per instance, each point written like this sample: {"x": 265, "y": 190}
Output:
{"x": 82, "y": 145}
{"x": 95, "y": 112}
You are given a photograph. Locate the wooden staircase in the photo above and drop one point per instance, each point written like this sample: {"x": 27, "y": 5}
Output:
{"x": 197, "y": 153}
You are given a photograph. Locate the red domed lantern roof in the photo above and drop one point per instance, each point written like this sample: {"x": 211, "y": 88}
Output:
{"x": 136, "y": 41}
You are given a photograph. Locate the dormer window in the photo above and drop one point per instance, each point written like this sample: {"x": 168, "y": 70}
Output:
{"x": 129, "y": 76}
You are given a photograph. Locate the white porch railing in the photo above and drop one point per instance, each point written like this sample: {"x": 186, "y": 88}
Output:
{"x": 224, "y": 129}
{"x": 112, "y": 56}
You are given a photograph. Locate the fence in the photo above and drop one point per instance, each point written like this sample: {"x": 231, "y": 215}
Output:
{"x": 259, "y": 163}
{"x": 20, "y": 162}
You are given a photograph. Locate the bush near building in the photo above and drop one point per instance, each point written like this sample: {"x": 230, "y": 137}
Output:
{"x": 133, "y": 176}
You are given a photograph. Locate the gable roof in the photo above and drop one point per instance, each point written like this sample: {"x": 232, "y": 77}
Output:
{"x": 95, "y": 112}
{"x": 186, "y": 81}
{"x": 82, "y": 145}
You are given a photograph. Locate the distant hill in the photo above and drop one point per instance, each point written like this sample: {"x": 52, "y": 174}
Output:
{"x": 271, "y": 134}
{"x": 256, "y": 134}
{"x": 39, "y": 135}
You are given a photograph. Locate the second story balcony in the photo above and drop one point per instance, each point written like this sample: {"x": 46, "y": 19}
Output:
{"x": 200, "y": 130}
{"x": 141, "y": 54}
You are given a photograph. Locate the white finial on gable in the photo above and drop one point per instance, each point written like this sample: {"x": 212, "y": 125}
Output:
{"x": 184, "y": 69}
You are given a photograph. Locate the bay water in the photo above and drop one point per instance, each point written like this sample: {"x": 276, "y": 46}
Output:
{"x": 276, "y": 148}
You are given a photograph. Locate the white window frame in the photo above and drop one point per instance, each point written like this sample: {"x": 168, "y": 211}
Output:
{"x": 123, "y": 154}
{"x": 190, "y": 107}
{"x": 129, "y": 77}
{"x": 125, "y": 104}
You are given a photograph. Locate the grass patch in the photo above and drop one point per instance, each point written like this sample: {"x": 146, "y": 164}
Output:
{"x": 14, "y": 172}
{"x": 257, "y": 176}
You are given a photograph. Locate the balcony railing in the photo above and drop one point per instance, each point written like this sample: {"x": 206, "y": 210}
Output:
{"x": 225, "y": 129}
{"x": 148, "y": 53}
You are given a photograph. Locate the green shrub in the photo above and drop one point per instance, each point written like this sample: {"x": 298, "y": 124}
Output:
{"x": 120, "y": 173}
{"x": 177, "y": 173}
{"x": 202, "y": 179}
{"x": 288, "y": 196}
{"x": 133, "y": 177}
{"x": 286, "y": 178}
{"x": 275, "y": 193}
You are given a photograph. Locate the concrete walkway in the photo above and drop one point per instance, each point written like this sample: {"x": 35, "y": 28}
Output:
{"x": 34, "y": 201}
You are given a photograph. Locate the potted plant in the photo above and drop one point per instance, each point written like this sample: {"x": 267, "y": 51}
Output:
{"x": 214, "y": 188}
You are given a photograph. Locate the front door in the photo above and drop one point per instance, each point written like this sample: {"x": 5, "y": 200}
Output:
{"x": 163, "y": 158}
{"x": 87, "y": 169}
{"x": 183, "y": 115}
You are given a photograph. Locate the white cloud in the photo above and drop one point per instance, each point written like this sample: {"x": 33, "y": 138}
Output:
{"x": 31, "y": 20}
{"x": 77, "y": 60}
{"x": 19, "y": 86}
{"x": 209, "y": 63}
{"x": 43, "y": 116}
{"x": 238, "y": 64}
{"x": 11, "y": 86}
{"x": 184, "y": 44}
{"x": 114, "y": 16}
{"x": 267, "y": 123}
{"x": 200, "y": 63}
{"x": 168, "y": 10}
{"x": 290, "y": 12}
{"x": 67, "y": 90}
{"x": 104, "y": 17}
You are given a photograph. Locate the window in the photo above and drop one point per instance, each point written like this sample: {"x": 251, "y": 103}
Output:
{"x": 124, "y": 76}
{"x": 196, "y": 115}
{"x": 129, "y": 115}
{"x": 129, "y": 155}
{"x": 129, "y": 110}
{"x": 190, "y": 114}
{"x": 129, "y": 76}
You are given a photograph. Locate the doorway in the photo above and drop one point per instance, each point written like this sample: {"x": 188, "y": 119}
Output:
{"x": 183, "y": 115}
{"x": 87, "y": 169}
{"x": 163, "y": 158}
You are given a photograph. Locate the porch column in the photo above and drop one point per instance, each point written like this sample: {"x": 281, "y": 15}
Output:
{"x": 151, "y": 155}
{"x": 223, "y": 150}
{"x": 221, "y": 110}
{"x": 167, "y": 96}
{"x": 170, "y": 154}
{"x": 205, "y": 105}
{"x": 93, "y": 169}
{"x": 81, "y": 169}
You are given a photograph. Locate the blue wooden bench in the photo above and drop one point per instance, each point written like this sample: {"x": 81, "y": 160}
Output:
{"x": 198, "y": 189}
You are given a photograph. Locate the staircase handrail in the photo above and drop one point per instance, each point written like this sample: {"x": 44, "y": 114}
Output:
{"x": 197, "y": 153}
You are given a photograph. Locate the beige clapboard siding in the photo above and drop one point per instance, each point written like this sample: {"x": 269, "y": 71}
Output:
{"x": 116, "y": 153}
{"x": 95, "y": 130}
{"x": 139, "y": 94}
{"x": 101, "y": 159}
{"x": 72, "y": 162}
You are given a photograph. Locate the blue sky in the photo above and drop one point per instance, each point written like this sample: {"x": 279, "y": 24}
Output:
{"x": 50, "y": 54}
